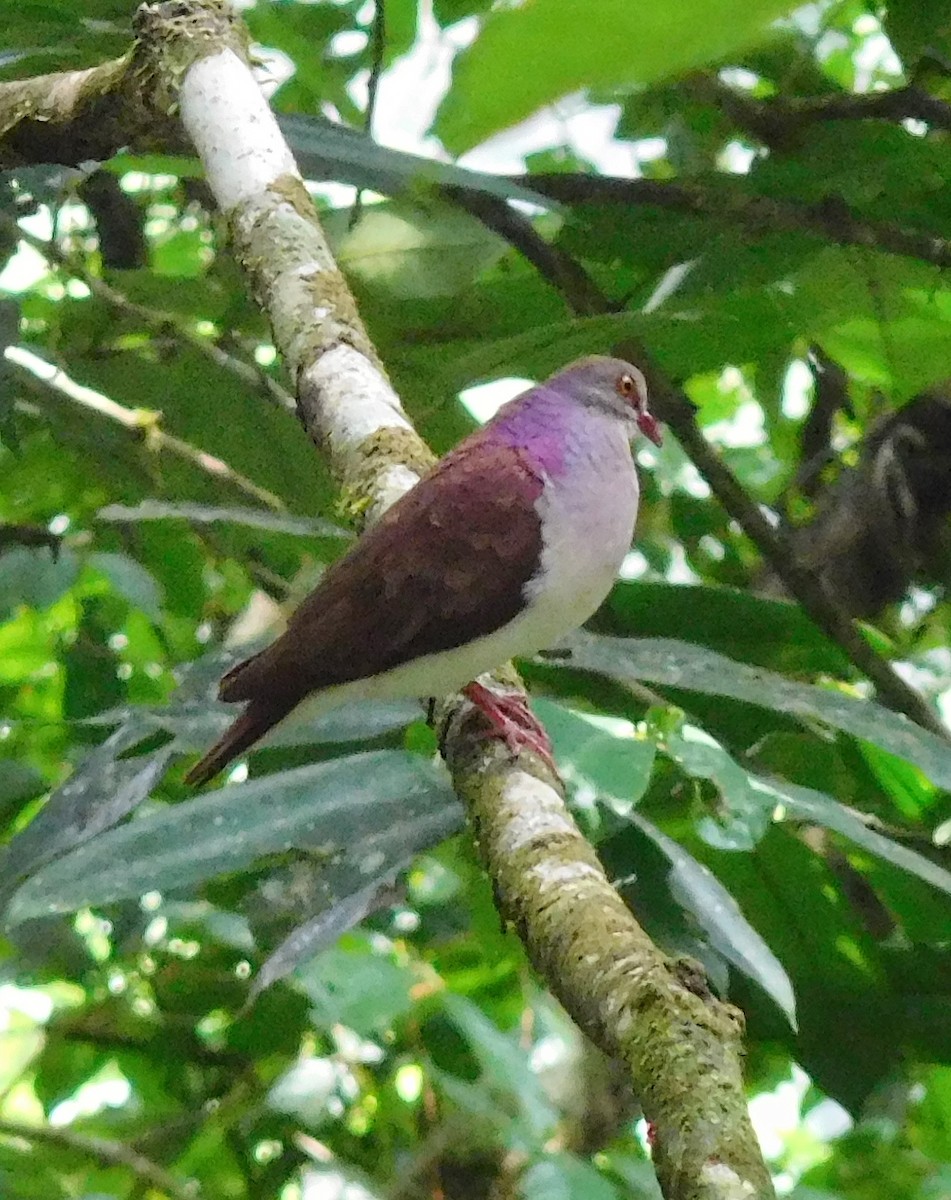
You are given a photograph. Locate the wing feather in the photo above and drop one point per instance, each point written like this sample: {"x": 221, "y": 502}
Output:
{"x": 448, "y": 563}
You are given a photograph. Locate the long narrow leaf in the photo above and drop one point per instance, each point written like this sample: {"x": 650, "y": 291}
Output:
{"x": 325, "y": 150}
{"x": 696, "y": 669}
{"x": 207, "y": 514}
{"x": 329, "y": 809}
{"x": 699, "y": 891}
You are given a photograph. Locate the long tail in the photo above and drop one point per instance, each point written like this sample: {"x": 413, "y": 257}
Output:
{"x": 252, "y": 725}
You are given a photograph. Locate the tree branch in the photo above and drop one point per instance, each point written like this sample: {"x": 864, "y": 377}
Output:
{"x": 779, "y": 120}
{"x": 108, "y": 1153}
{"x": 142, "y": 423}
{"x": 681, "y": 1044}
{"x": 829, "y": 616}
{"x": 12, "y": 534}
{"x": 727, "y": 201}
{"x": 584, "y": 298}
{"x": 567, "y": 276}
{"x": 72, "y": 117}
{"x": 251, "y": 376}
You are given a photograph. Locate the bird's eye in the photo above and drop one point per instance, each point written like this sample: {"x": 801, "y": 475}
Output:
{"x": 627, "y": 387}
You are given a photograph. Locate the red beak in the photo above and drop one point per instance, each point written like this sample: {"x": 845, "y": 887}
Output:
{"x": 650, "y": 428}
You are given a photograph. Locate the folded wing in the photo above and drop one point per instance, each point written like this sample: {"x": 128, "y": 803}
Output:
{"x": 445, "y": 565}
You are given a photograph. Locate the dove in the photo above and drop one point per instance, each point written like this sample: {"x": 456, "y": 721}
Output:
{"x": 509, "y": 543}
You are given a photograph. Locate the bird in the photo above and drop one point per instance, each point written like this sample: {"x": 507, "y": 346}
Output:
{"x": 509, "y": 543}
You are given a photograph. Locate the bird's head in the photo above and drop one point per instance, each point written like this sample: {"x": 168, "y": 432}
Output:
{"x": 610, "y": 385}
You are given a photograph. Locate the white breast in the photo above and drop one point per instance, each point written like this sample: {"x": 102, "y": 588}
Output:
{"x": 588, "y": 525}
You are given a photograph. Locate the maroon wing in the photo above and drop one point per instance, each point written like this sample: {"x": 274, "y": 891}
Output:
{"x": 445, "y": 565}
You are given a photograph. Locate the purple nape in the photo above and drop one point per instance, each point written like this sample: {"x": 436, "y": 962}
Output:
{"x": 540, "y": 422}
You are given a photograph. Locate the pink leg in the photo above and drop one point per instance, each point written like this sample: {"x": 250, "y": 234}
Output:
{"x": 511, "y": 720}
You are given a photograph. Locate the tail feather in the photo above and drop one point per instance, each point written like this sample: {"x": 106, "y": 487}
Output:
{"x": 239, "y": 682}
{"x": 252, "y": 725}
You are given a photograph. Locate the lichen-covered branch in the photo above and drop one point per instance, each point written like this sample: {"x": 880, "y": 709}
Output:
{"x": 71, "y": 117}
{"x": 680, "y": 1043}
{"x": 344, "y": 398}
{"x": 67, "y": 117}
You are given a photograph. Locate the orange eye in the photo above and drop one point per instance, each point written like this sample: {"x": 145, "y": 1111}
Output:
{"x": 626, "y": 386}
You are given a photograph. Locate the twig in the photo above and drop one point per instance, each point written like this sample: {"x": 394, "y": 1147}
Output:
{"x": 726, "y": 201}
{"x": 141, "y": 422}
{"x": 833, "y": 620}
{"x": 437, "y": 1145}
{"x": 29, "y": 535}
{"x": 249, "y": 375}
{"x": 378, "y": 52}
{"x": 778, "y": 120}
{"x": 564, "y": 273}
{"x": 584, "y": 297}
{"x": 109, "y": 1153}
{"x": 188, "y": 1046}
{"x": 377, "y": 55}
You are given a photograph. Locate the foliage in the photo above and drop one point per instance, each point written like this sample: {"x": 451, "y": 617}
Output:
{"x": 298, "y": 980}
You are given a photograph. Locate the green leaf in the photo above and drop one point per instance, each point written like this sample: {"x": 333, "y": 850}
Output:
{"x": 500, "y": 79}
{"x": 208, "y": 514}
{"x": 9, "y": 332}
{"x": 694, "y": 669}
{"x": 916, "y": 29}
{"x": 699, "y": 891}
{"x": 778, "y": 799}
{"x": 196, "y": 727}
{"x": 325, "y": 150}
{"x": 102, "y": 790}
{"x": 302, "y": 32}
{"x": 365, "y": 991}
{"x": 767, "y": 633}
{"x": 196, "y": 718}
{"x": 131, "y": 580}
{"x": 90, "y": 664}
{"x": 19, "y": 783}
{"x": 448, "y": 12}
{"x": 35, "y": 577}
{"x": 611, "y": 763}
{"x": 413, "y": 251}
{"x": 505, "y": 1070}
{"x": 809, "y": 805}
{"x": 911, "y": 794}
{"x": 329, "y": 809}
{"x": 307, "y": 940}
{"x": 563, "y": 1176}
{"x": 746, "y": 815}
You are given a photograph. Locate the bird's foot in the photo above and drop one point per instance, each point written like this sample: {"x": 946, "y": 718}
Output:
{"x": 511, "y": 720}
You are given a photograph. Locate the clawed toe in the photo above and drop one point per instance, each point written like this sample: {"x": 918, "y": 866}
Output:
{"x": 511, "y": 720}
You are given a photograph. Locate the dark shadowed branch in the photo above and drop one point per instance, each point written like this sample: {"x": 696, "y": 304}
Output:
{"x": 730, "y": 203}
{"x": 778, "y": 121}
{"x": 106, "y": 1152}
